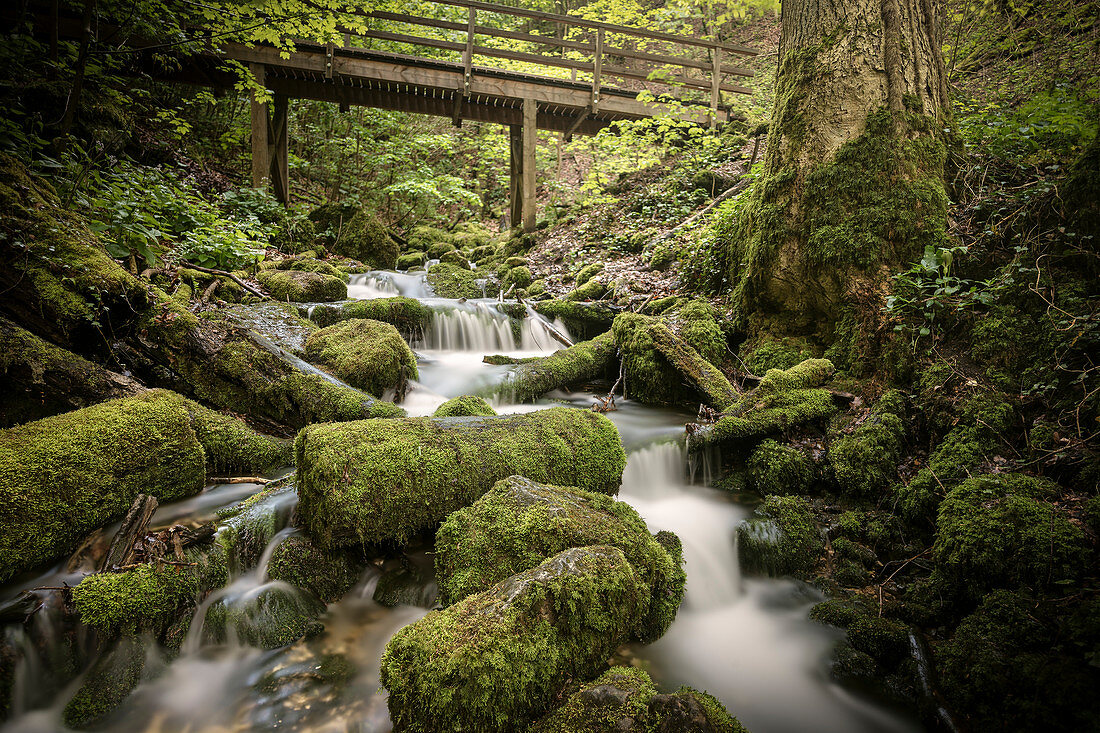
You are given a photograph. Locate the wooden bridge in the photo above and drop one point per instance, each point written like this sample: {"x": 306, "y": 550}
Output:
{"x": 591, "y": 51}
{"x": 350, "y": 73}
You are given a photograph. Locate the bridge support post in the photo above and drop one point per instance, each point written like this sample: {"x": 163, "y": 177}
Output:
{"x": 261, "y": 160}
{"x": 278, "y": 142}
{"x": 515, "y": 180}
{"x": 530, "y": 139}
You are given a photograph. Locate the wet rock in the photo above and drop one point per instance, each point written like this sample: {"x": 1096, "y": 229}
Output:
{"x": 248, "y": 527}
{"x": 111, "y": 679}
{"x": 326, "y": 574}
{"x": 270, "y": 616}
{"x": 376, "y": 481}
{"x": 449, "y": 281}
{"x": 63, "y": 476}
{"x": 465, "y": 406}
{"x": 586, "y": 319}
{"x": 302, "y": 287}
{"x": 369, "y": 355}
{"x": 411, "y": 259}
{"x": 520, "y": 523}
{"x": 495, "y": 660}
{"x": 781, "y": 539}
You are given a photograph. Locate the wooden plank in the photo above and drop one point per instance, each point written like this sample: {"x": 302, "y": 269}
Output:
{"x": 261, "y": 161}
{"x": 597, "y": 70}
{"x": 530, "y": 141}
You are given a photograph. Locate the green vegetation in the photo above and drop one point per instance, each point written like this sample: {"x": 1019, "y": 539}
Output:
{"x": 302, "y": 287}
{"x": 369, "y": 355}
{"x": 779, "y": 469}
{"x": 328, "y": 575}
{"x": 374, "y": 481}
{"x": 519, "y": 523}
{"x": 408, "y": 315}
{"x": 465, "y": 406}
{"x": 781, "y": 539}
{"x": 865, "y": 460}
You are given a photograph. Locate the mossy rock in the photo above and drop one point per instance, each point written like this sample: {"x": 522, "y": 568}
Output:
{"x": 865, "y": 462}
{"x": 696, "y": 322}
{"x": 1002, "y": 530}
{"x": 497, "y": 659}
{"x": 325, "y": 573}
{"x": 410, "y": 260}
{"x": 436, "y": 250}
{"x": 650, "y": 378}
{"x": 766, "y": 353}
{"x": 585, "y": 274}
{"x": 781, "y": 539}
{"x": 309, "y": 264}
{"x": 421, "y": 237}
{"x": 518, "y": 276}
{"x": 448, "y": 281}
{"x": 455, "y": 258}
{"x": 1013, "y": 665}
{"x": 302, "y": 287}
{"x": 357, "y": 234}
{"x": 274, "y": 615}
{"x": 581, "y": 361}
{"x": 369, "y": 355}
{"x": 591, "y": 290}
{"x": 585, "y": 319}
{"x": 63, "y": 476}
{"x": 511, "y": 262}
{"x": 779, "y": 469}
{"x": 409, "y": 315}
{"x": 519, "y": 523}
{"x": 376, "y": 481}
{"x": 536, "y": 289}
{"x": 884, "y": 640}
{"x": 249, "y": 526}
{"x": 465, "y": 406}
{"x": 109, "y": 681}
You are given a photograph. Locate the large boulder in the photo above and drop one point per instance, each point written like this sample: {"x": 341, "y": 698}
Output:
{"x": 357, "y": 234}
{"x": 63, "y": 476}
{"x": 375, "y": 481}
{"x": 520, "y": 523}
{"x": 409, "y": 315}
{"x": 369, "y": 355}
{"x": 496, "y": 660}
{"x": 302, "y": 287}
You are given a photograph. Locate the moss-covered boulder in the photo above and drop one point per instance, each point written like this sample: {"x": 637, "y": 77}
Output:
{"x": 107, "y": 683}
{"x": 308, "y": 264}
{"x": 369, "y": 355}
{"x": 781, "y": 539}
{"x": 765, "y": 353}
{"x": 409, "y": 315}
{"x": 449, "y": 281}
{"x": 1003, "y": 530}
{"x": 865, "y": 460}
{"x": 63, "y": 476}
{"x": 496, "y": 660}
{"x": 884, "y": 640}
{"x": 409, "y": 260}
{"x": 520, "y": 277}
{"x": 696, "y": 322}
{"x": 465, "y": 406}
{"x": 779, "y": 469}
{"x": 380, "y": 480}
{"x": 591, "y": 290}
{"x": 455, "y": 258}
{"x": 588, "y": 272}
{"x": 302, "y": 287}
{"x": 357, "y": 234}
{"x": 520, "y": 523}
{"x": 436, "y": 250}
{"x": 327, "y": 574}
{"x": 587, "y": 320}
{"x": 271, "y": 616}
{"x": 422, "y": 237}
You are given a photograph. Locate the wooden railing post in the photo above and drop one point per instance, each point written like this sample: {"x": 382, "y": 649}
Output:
{"x": 467, "y": 70}
{"x": 515, "y": 180}
{"x": 715, "y": 84}
{"x": 597, "y": 70}
{"x": 261, "y": 153}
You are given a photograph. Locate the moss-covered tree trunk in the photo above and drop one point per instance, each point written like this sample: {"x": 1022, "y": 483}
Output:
{"x": 853, "y": 176}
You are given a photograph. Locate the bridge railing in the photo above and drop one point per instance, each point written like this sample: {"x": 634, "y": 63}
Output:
{"x": 694, "y": 73}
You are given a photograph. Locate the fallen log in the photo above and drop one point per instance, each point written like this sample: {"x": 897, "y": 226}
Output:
{"x": 133, "y": 528}
{"x": 582, "y": 361}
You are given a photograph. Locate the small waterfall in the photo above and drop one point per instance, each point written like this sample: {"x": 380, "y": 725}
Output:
{"x": 481, "y": 328}
{"x": 371, "y": 285}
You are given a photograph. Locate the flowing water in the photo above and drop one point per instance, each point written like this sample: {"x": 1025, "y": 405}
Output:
{"x": 746, "y": 640}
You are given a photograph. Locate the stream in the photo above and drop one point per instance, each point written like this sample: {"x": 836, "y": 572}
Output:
{"x": 746, "y": 640}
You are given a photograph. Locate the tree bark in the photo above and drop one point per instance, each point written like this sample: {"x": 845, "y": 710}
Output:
{"x": 853, "y": 175}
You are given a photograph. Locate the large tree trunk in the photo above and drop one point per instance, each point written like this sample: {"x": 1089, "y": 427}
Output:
{"x": 853, "y": 178}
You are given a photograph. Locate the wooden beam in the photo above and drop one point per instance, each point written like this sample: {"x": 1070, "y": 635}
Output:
{"x": 530, "y": 140}
{"x": 279, "y": 143}
{"x": 261, "y": 161}
{"x": 515, "y": 180}
{"x": 577, "y": 123}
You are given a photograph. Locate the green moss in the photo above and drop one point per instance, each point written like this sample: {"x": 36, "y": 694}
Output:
{"x": 581, "y": 361}
{"x": 1012, "y": 666}
{"x": 422, "y": 237}
{"x": 781, "y": 539}
{"x": 582, "y": 318}
{"x": 496, "y": 660}
{"x": 772, "y": 353}
{"x": 865, "y": 461}
{"x": 519, "y": 523}
{"x": 518, "y": 276}
{"x": 302, "y": 287}
{"x": 248, "y": 528}
{"x": 973, "y": 441}
{"x": 275, "y": 615}
{"x": 779, "y": 469}
{"x": 885, "y": 640}
{"x": 1001, "y": 530}
{"x": 449, "y": 281}
{"x": 436, "y": 250}
{"x": 142, "y": 599}
{"x": 309, "y": 264}
{"x": 379, "y": 480}
{"x": 410, "y": 260}
{"x": 465, "y": 406}
{"x": 369, "y": 355}
{"x": 409, "y": 315}
{"x": 696, "y": 322}
{"x": 326, "y": 574}
{"x": 456, "y": 259}
{"x": 294, "y": 236}
{"x": 109, "y": 681}
{"x": 587, "y": 273}
{"x": 648, "y": 376}
{"x": 536, "y": 288}
{"x": 63, "y": 476}
{"x": 617, "y": 700}
{"x": 357, "y": 234}
{"x": 591, "y": 290}
{"x": 515, "y": 262}
{"x": 231, "y": 447}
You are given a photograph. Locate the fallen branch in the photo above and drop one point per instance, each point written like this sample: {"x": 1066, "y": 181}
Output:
{"x": 238, "y": 480}
{"x": 229, "y": 275}
{"x": 132, "y": 529}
